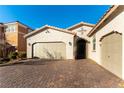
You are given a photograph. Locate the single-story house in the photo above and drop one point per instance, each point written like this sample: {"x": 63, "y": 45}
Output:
{"x": 102, "y": 42}
{"x": 55, "y": 43}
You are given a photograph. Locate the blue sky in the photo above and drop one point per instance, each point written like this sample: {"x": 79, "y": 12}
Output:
{"x": 61, "y": 15}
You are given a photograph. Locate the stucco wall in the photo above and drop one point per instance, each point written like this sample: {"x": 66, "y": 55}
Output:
{"x": 116, "y": 24}
{"x": 1, "y": 35}
{"x": 12, "y": 37}
{"x": 51, "y": 35}
{"x": 83, "y": 31}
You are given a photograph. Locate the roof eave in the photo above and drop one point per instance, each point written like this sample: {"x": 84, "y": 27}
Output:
{"x": 83, "y": 23}
{"x": 109, "y": 12}
{"x": 47, "y": 27}
{"x": 19, "y": 23}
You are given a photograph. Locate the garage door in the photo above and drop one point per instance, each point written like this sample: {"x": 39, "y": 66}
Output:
{"x": 111, "y": 53}
{"x": 50, "y": 50}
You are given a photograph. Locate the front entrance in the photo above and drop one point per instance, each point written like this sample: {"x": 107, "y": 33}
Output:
{"x": 80, "y": 49}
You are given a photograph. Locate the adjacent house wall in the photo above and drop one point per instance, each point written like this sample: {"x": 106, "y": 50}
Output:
{"x": 114, "y": 23}
{"x": 2, "y": 40}
{"x": 50, "y": 35}
{"x": 1, "y": 34}
{"x": 11, "y": 36}
{"x": 21, "y": 40}
{"x": 16, "y": 37}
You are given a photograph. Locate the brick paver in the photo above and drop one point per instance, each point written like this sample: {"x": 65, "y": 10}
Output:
{"x": 69, "y": 73}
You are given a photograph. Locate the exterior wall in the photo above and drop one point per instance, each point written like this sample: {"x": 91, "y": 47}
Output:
{"x": 122, "y": 56}
{"x": 16, "y": 38}
{"x": 1, "y": 34}
{"x": 82, "y": 31}
{"x": 21, "y": 40}
{"x": 2, "y": 40}
{"x": 115, "y": 24}
{"x": 12, "y": 37}
{"x": 51, "y": 35}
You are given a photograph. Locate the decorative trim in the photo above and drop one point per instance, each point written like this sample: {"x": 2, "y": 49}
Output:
{"x": 109, "y": 34}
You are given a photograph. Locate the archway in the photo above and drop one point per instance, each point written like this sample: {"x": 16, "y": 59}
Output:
{"x": 80, "y": 49}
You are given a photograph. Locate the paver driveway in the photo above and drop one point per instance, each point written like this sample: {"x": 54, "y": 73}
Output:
{"x": 70, "y": 73}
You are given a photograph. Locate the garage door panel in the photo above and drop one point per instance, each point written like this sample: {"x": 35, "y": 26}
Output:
{"x": 50, "y": 50}
{"x": 111, "y": 53}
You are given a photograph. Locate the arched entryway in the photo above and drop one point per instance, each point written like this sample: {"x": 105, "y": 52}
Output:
{"x": 80, "y": 49}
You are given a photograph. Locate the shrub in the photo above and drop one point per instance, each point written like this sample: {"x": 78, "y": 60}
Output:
{"x": 1, "y": 62}
{"x": 13, "y": 55}
{"x": 4, "y": 60}
{"x": 22, "y": 55}
{"x": 1, "y": 51}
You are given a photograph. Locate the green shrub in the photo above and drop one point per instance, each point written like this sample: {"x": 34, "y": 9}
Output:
{"x": 22, "y": 55}
{"x": 13, "y": 55}
{"x": 1, "y": 62}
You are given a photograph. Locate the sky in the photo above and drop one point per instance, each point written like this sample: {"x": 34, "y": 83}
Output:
{"x": 62, "y": 16}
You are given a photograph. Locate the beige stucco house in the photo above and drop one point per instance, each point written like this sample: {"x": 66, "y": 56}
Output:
{"x": 102, "y": 42}
{"x": 55, "y": 43}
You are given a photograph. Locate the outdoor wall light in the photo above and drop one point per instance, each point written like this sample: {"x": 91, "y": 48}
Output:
{"x": 29, "y": 44}
{"x": 70, "y": 43}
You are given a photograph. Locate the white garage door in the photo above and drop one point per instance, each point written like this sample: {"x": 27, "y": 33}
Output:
{"x": 111, "y": 53}
{"x": 50, "y": 50}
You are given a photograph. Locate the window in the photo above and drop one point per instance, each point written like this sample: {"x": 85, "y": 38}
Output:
{"x": 29, "y": 30}
{"x": 94, "y": 43}
{"x": 11, "y": 28}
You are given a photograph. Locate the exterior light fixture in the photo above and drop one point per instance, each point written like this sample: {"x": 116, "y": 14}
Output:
{"x": 70, "y": 43}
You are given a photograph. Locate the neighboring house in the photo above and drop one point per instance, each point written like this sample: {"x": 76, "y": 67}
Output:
{"x": 2, "y": 39}
{"x": 1, "y": 34}
{"x": 107, "y": 41}
{"x": 102, "y": 42}
{"x": 14, "y": 36}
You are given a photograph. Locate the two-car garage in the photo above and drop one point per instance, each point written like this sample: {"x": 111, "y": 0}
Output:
{"x": 50, "y": 42}
{"x": 49, "y": 50}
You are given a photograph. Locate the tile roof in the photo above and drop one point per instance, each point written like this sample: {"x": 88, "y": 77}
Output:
{"x": 103, "y": 18}
{"x": 80, "y": 24}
